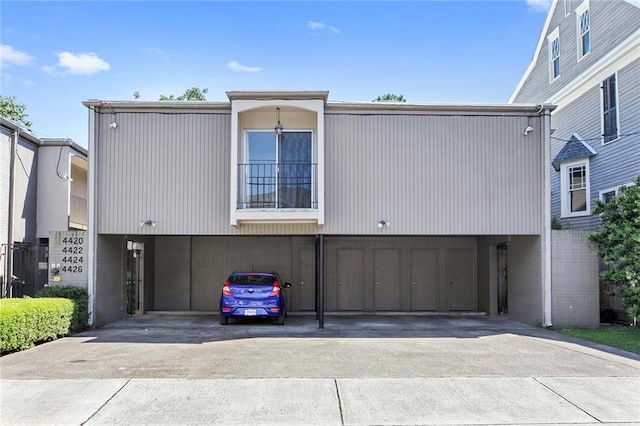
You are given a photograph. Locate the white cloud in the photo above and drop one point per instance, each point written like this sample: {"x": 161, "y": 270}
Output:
{"x": 10, "y": 56}
{"x": 320, "y": 26}
{"x": 80, "y": 64}
{"x": 236, "y": 66}
{"x": 539, "y": 5}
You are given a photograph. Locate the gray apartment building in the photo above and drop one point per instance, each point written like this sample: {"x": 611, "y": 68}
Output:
{"x": 366, "y": 207}
{"x": 43, "y": 189}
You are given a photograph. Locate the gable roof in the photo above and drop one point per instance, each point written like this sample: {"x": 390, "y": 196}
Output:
{"x": 541, "y": 41}
{"x": 574, "y": 148}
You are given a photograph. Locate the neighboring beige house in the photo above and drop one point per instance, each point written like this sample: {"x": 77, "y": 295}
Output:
{"x": 43, "y": 188}
{"x": 363, "y": 207}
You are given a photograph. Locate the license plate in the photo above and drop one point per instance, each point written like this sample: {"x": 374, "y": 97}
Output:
{"x": 249, "y": 312}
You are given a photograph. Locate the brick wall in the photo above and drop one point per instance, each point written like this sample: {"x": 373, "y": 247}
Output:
{"x": 574, "y": 280}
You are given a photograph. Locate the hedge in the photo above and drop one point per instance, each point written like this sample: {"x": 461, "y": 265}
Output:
{"x": 25, "y": 322}
{"x": 80, "y": 297}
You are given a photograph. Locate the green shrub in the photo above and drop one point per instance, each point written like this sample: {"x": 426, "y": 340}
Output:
{"x": 25, "y": 322}
{"x": 79, "y": 296}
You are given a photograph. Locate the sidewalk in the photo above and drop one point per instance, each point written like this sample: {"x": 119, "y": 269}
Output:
{"x": 359, "y": 370}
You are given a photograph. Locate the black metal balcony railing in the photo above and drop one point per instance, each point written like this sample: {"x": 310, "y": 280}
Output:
{"x": 290, "y": 185}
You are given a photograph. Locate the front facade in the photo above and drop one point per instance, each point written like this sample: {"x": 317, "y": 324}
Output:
{"x": 362, "y": 207}
{"x": 587, "y": 63}
{"x": 43, "y": 184}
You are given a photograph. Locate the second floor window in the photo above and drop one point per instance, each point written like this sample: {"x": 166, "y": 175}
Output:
{"x": 578, "y": 188}
{"x": 609, "y": 110}
{"x": 574, "y": 183}
{"x": 278, "y": 172}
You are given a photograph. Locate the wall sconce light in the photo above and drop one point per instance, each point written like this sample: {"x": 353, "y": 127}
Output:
{"x": 279, "y": 127}
{"x": 113, "y": 125}
{"x": 383, "y": 223}
{"x": 528, "y": 130}
{"x": 148, "y": 223}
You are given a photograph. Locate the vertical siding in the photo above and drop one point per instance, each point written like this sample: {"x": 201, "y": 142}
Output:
{"x": 170, "y": 168}
{"x": 432, "y": 175}
{"x": 611, "y": 23}
{"x": 25, "y": 192}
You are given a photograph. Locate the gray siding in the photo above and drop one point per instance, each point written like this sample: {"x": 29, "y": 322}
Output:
{"x": 432, "y": 175}
{"x": 575, "y": 301}
{"x": 616, "y": 163}
{"x": 26, "y": 192}
{"x": 611, "y": 23}
{"x": 172, "y": 169}
{"x": 427, "y": 174}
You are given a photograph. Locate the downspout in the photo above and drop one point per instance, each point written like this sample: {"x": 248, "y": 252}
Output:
{"x": 91, "y": 223}
{"x": 8, "y": 287}
{"x": 546, "y": 219}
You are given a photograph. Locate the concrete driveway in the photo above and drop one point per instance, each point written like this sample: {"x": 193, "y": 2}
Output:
{"x": 395, "y": 369}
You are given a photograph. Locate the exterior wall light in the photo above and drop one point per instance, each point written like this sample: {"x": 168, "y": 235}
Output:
{"x": 528, "y": 130}
{"x": 279, "y": 127}
{"x": 384, "y": 223}
{"x": 148, "y": 223}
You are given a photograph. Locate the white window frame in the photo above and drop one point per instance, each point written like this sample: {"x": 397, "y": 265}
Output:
{"x": 565, "y": 197}
{"x": 580, "y": 10}
{"x": 617, "y": 100}
{"x": 242, "y": 194}
{"x": 614, "y": 189}
{"x": 555, "y": 35}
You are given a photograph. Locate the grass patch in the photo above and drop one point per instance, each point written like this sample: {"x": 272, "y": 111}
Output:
{"x": 627, "y": 338}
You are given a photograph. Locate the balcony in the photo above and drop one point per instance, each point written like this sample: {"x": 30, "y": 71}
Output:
{"x": 78, "y": 217}
{"x": 276, "y": 192}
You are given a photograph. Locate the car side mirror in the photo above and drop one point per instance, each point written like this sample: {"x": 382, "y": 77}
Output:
{"x": 287, "y": 285}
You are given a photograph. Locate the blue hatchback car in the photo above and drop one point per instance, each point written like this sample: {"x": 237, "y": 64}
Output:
{"x": 253, "y": 294}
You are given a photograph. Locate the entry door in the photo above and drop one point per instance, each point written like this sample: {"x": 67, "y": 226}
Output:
{"x": 424, "y": 280}
{"x": 135, "y": 278}
{"x": 387, "y": 280}
{"x": 350, "y": 279}
{"x": 307, "y": 277}
{"x": 460, "y": 276}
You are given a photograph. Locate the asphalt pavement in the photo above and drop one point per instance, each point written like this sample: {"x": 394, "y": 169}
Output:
{"x": 359, "y": 370}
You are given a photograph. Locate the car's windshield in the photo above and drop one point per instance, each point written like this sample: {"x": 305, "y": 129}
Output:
{"x": 252, "y": 279}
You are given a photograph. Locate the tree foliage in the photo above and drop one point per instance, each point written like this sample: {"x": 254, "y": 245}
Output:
{"x": 618, "y": 240}
{"x": 193, "y": 94}
{"x": 11, "y": 109}
{"x": 390, "y": 97}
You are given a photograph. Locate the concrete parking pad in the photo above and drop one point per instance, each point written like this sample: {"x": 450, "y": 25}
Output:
{"x": 188, "y": 369}
{"x": 227, "y": 402}
{"x": 453, "y": 401}
{"x": 608, "y": 399}
{"x": 46, "y": 402}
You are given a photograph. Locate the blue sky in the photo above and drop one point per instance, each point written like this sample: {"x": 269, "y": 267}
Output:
{"x": 56, "y": 54}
